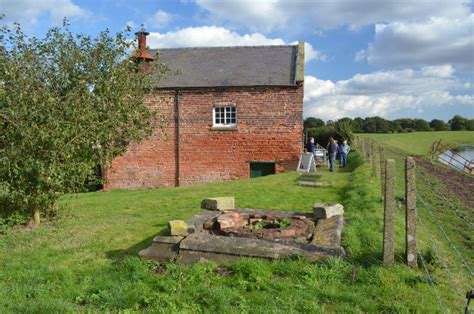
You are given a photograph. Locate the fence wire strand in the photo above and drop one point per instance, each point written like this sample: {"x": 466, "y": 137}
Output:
{"x": 445, "y": 235}
{"x": 430, "y": 279}
{"x": 437, "y": 252}
{"x": 448, "y": 202}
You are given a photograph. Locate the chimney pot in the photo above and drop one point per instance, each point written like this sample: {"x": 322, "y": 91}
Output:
{"x": 142, "y": 53}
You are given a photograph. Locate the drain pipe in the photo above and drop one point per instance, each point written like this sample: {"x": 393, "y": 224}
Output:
{"x": 177, "y": 135}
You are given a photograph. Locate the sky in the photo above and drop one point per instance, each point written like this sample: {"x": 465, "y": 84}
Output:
{"x": 393, "y": 59}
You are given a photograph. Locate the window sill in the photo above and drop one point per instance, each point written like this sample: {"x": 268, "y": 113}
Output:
{"x": 224, "y": 128}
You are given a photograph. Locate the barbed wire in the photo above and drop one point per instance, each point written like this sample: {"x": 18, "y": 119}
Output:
{"x": 442, "y": 198}
{"x": 430, "y": 279}
{"x": 445, "y": 235}
{"x": 437, "y": 252}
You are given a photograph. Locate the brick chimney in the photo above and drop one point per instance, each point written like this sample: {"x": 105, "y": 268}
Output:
{"x": 142, "y": 54}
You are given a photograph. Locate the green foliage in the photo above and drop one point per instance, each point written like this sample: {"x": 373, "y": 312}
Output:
{"x": 458, "y": 123}
{"x": 322, "y": 135}
{"x": 311, "y": 123}
{"x": 61, "y": 268}
{"x": 439, "y": 125}
{"x": 404, "y": 125}
{"x": 67, "y": 104}
{"x": 344, "y": 128}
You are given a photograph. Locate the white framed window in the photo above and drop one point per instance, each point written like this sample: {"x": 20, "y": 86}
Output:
{"x": 225, "y": 116}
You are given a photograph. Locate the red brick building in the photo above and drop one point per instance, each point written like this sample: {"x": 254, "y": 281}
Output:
{"x": 228, "y": 113}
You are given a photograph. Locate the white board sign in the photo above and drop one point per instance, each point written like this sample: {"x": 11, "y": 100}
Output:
{"x": 306, "y": 163}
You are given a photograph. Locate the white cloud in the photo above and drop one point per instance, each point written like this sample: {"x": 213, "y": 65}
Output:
{"x": 385, "y": 93}
{"x": 434, "y": 42}
{"x": 29, "y": 11}
{"x": 212, "y": 36}
{"x": 159, "y": 19}
{"x": 269, "y": 14}
{"x": 438, "y": 71}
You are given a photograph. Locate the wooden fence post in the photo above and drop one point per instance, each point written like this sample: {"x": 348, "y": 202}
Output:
{"x": 389, "y": 214}
{"x": 410, "y": 212}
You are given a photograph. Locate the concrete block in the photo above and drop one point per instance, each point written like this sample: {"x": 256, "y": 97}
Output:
{"x": 327, "y": 210}
{"x": 163, "y": 249}
{"x": 180, "y": 228}
{"x": 218, "y": 203}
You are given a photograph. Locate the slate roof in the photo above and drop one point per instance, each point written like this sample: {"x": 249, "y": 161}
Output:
{"x": 229, "y": 66}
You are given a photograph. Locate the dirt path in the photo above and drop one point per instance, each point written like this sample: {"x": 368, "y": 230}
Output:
{"x": 458, "y": 183}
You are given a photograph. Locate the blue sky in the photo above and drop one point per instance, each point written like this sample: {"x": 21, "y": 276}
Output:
{"x": 363, "y": 58}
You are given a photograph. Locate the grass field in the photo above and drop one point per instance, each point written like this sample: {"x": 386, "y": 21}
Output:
{"x": 419, "y": 142}
{"x": 86, "y": 259}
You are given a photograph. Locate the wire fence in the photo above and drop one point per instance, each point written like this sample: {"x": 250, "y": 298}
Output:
{"x": 427, "y": 209}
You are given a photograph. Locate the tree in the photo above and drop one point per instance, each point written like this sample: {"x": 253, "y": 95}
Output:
{"x": 439, "y": 125}
{"x": 344, "y": 129}
{"x": 311, "y": 123}
{"x": 358, "y": 125}
{"x": 68, "y": 103}
{"x": 421, "y": 125}
{"x": 470, "y": 125}
{"x": 458, "y": 123}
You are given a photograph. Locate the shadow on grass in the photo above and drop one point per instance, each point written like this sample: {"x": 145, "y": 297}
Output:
{"x": 117, "y": 255}
{"x": 354, "y": 161}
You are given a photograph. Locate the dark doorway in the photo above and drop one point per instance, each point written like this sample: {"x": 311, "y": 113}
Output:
{"x": 260, "y": 169}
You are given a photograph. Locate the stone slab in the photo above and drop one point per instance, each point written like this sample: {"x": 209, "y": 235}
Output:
{"x": 327, "y": 210}
{"x": 162, "y": 250}
{"x": 218, "y": 203}
{"x": 328, "y": 232}
{"x": 315, "y": 184}
{"x": 168, "y": 239}
{"x": 276, "y": 213}
{"x": 198, "y": 220}
{"x": 247, "y": 247}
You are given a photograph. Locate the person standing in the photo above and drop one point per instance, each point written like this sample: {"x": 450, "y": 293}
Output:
{"x": 310, "y": 147}
{"x": 332, "y": 151}
{"x": 344, "y": 151}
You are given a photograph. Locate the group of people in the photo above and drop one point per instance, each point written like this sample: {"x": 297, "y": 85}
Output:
{"x": 333, "y": 150}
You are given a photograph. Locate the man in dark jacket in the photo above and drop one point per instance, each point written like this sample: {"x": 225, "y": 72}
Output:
{"x": 310, "y": 145}
{"x": 332, "y": 151}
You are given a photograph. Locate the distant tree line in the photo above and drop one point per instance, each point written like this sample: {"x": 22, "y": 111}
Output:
{"x": 343, "y": 129}
{"x": 381, "y": 125}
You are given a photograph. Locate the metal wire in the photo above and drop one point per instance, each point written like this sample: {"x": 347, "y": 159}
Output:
{"x": 445, "y": 235}
{"x": 442, "y": 198}
{"x": 450, "y": 275}
{"x": 438, "y": 298}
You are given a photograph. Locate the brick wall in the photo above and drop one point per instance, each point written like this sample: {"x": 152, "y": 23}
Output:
{"x": 269, "y": 126}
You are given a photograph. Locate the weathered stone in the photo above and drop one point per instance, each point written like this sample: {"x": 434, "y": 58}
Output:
{"x": 327, "y": 210}
{"x": 410, "y": 196}
{"x": 232, "y": 219}
{"x": 198, "y": 220}
{"x": 180, "y": 228}
{"x": 328, "y": 232}
{"x": 228, "y": 247}
{"x": 218, "y": 203}
{"x": 163, "y": 249}
{"x": 209, "y": 224}
{"x": 316, "y": 184}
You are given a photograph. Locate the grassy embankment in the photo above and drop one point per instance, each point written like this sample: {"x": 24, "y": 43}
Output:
{"x": 446, "y": 223}
{"x": 86, "y": 260}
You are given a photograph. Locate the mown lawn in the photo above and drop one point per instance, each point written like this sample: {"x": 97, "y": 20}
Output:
{"x": 419, "y": 143}
{"x": 86, "y": 259}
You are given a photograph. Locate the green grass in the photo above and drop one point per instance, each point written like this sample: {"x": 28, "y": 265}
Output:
{"x": 86, "y": 260}
{"x": 419, "y": 143}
